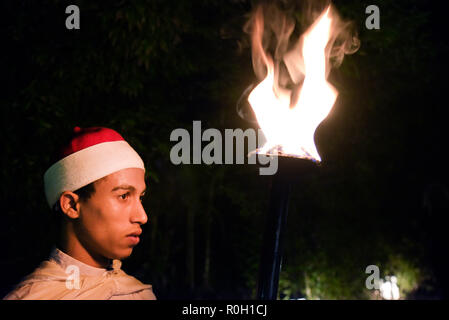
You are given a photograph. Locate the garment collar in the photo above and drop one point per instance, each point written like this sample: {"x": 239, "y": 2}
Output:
{"x": 64, "y": 260}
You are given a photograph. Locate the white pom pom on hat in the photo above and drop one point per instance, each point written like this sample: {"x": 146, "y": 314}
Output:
{"x": 91, "y": 154}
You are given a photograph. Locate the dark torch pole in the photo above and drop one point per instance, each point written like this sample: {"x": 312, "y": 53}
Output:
{"x": 271, "y": 257}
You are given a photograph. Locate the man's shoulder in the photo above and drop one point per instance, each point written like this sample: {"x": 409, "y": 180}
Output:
{"x": 18, "y": 293}
{"x": 130, "y": 285}
{"x": 36, "y": 284}
{"x": 40, "y": 290}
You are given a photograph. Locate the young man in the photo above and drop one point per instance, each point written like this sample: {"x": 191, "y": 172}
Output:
{"x": 96, "y": 186}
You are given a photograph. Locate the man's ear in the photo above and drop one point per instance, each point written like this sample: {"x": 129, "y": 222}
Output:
{"x": 69, "y": 203}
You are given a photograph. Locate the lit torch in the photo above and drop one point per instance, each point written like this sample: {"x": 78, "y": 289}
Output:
{"x": 289, "y": 116}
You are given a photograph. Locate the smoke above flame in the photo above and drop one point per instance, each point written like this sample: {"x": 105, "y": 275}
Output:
{"x": 294, "y": 96}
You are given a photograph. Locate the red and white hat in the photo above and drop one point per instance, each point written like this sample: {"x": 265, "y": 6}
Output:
{"x": 91, "y": 154}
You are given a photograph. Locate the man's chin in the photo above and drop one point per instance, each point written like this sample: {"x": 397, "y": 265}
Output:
{"x": 122, "y": 254}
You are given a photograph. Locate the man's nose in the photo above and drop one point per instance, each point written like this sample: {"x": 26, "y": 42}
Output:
{"x": 139, "y": 214}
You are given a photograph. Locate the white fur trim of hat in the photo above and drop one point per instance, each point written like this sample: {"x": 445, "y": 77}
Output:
{"x": 88, "y": 165}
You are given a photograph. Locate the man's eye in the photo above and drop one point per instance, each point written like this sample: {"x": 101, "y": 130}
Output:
{"x": 124, "y": 196}
{"x": 141, "y": 198}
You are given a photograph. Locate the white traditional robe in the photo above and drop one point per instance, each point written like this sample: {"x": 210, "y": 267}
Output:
{"x": 55, "y": 279}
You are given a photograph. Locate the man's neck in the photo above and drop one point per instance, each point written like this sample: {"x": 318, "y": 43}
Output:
{"x": 71, "y": 245}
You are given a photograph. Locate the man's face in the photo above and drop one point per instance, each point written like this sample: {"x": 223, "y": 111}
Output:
{"x": 110, "y": 220}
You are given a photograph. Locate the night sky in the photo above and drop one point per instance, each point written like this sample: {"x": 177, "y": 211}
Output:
{"x": 379, "y": 197}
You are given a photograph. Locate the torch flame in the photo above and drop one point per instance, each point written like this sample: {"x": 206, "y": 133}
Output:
{"x": 289, "y": 124}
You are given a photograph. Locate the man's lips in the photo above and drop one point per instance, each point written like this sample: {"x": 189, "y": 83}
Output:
{"x": 134, "y": 237}
{"x": 135, "y": 233}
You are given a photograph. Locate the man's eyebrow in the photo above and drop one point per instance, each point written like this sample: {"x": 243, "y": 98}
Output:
{"x": 126, "y": 187}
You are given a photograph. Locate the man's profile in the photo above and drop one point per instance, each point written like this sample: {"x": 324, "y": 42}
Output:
{"x": 95, "y": 186}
